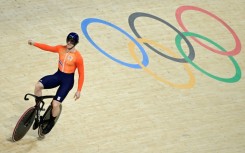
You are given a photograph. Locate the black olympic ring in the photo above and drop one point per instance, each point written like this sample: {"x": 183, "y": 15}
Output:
{"x": 135, "y": 15}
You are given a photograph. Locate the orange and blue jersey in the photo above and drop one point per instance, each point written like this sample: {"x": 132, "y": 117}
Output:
{"x": 68, "y": 61}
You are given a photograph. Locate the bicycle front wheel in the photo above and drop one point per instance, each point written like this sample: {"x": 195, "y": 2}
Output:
{"x": 24, "y": 124}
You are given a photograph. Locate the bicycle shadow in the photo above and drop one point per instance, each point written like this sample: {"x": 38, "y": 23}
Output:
{"x": 24, "y": 145}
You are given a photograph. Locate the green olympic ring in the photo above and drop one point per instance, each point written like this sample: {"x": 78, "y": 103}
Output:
{"x": 235, "y": 78}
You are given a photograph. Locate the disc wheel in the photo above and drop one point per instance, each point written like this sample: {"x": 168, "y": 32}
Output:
{"x": 24, "y": 124}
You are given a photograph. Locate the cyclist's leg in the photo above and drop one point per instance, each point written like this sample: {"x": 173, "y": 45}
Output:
{"x": 67, "y": 82}
{"x": 38, "y": 92}
{"x": 61, "y": 93}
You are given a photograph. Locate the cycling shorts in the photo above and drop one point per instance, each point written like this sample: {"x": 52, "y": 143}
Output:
{"x": 65, "y": 82}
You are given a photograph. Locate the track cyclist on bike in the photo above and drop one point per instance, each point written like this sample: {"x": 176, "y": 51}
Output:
{"x": 69, "y": 60}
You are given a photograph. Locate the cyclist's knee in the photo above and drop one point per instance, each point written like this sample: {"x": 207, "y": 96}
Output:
{"x": 39, "y": 86}
{"x": 55, "y": 104}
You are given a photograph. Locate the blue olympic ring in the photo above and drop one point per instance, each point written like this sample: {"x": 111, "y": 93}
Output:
{"x": 88, "y": 21}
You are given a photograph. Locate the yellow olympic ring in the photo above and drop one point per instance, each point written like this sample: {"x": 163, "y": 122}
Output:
{"x": 191, "y": 80}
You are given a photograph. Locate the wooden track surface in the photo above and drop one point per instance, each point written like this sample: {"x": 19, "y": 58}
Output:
{"x": 122, "y": 109}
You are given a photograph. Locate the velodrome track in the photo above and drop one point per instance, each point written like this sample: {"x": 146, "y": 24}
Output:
{"x": 136, "y": 98}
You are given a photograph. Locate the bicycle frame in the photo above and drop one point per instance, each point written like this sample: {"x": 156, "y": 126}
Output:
{"x": 39, "y": 103}
{"x": 26, "y": 120}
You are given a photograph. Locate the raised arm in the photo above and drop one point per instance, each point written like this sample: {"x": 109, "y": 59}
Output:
{"x": 44, "y": 46}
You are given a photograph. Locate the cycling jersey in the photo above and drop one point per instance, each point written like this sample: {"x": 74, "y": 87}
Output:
{"x": 68, "y": 61}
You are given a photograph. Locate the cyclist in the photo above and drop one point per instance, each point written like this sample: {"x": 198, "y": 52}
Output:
{"x": 69, "y": 60}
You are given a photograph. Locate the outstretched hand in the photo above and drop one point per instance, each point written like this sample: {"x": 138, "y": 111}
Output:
{"x": 30, "y": 42}
{"x": 77, "y": 95}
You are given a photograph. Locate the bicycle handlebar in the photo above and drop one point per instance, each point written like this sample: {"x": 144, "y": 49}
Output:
{"x": 37, "y": 97}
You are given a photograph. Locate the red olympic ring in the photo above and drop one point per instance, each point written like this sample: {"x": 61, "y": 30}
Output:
{"x": 233, "y": 52}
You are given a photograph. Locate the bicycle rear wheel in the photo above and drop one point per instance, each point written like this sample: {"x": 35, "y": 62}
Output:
{"x": 24, "y": 124}
{"x": 45, "y": 120}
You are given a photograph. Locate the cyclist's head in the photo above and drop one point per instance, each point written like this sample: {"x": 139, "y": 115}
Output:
{"x": 72, "y": 38}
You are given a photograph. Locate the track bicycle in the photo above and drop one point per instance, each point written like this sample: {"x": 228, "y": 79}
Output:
{"x": 34, "y": 114}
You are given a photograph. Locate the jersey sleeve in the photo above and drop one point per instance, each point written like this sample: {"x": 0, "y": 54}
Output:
{"x": 45, "y": 47}
{"x": 80, "y": 67}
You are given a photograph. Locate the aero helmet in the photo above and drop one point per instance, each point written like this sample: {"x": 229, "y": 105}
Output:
{"x": 73, "y": 37}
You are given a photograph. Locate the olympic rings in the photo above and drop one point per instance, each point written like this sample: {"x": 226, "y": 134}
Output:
{"x": 235, "y": 78}
{"x": 131, "y": 20}
{"x": 180, "y": 35}
{"x": 233, "y": 52}
{"x": 189, "y": 84}
{"x": 88, "y": 21}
